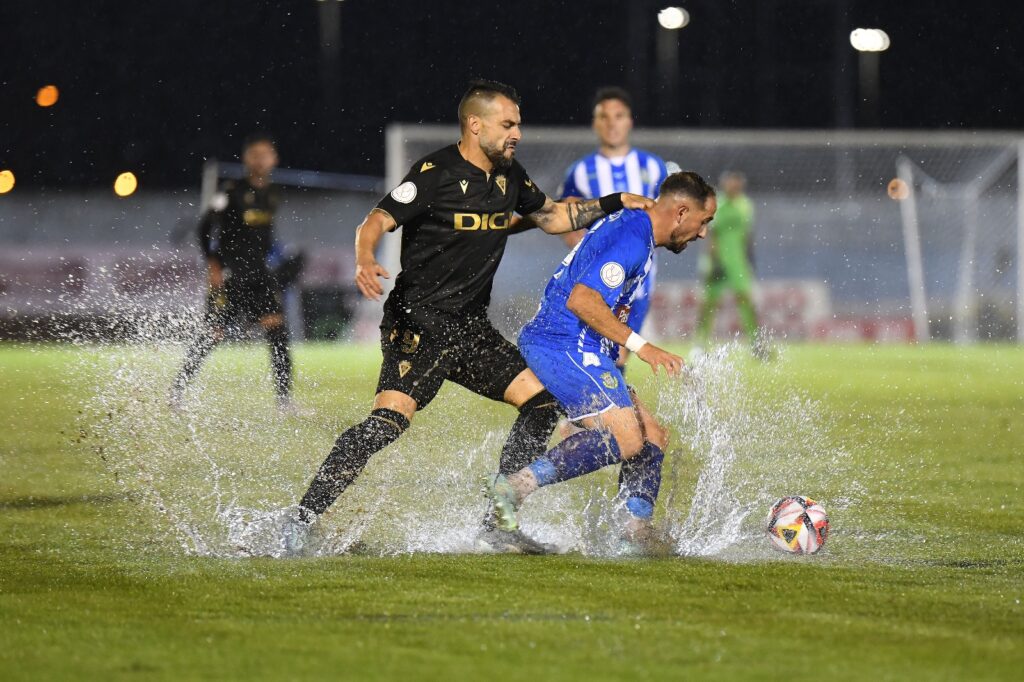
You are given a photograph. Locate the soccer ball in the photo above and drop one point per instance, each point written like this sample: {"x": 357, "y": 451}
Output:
{"x": 797, "y": 525}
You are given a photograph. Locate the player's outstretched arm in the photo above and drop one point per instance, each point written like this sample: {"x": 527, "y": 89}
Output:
{"x": 557, "y": 217}
{"x": 589, "y": 306}
{"x": 376, "y": 223}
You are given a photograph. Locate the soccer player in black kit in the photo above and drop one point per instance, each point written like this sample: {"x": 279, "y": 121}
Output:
{"x": 455, "y": 208}
{"x": 236, "y": 236}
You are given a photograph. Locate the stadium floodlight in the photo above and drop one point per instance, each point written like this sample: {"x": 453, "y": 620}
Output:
{"x": 869, "y": 40}
{"x": 673, "y": 18}
{"x": 125, "y": 184}
{"x": 6, "y": 181}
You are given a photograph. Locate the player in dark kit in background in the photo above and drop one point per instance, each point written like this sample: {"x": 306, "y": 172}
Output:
{"x": 455, "y": 207}
{"x": 237, "y": 235}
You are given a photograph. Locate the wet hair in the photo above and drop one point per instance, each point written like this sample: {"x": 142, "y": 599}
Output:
{"x": 613, "y": 92}
{"x": 258, "y": 138}
{"x": 688, "y": 183}
{"x": 480, "y": 89}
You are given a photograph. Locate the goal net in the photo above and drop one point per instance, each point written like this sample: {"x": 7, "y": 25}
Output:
{"x": 836, "y": 255}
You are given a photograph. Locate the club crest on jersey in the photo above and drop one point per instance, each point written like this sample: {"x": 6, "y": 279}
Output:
{"x": 426, "y": 166}
{"x": 464, "y": 184}
{"x": 612, "y": 274}
{"x": 403, "y": 368}
{"x": 609, "y": 380}
{"x": 501, "y": 182}
{"x": 404, "y": 193}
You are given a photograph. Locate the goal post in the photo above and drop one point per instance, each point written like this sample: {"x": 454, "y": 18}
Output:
{"x": 972, "y": 208}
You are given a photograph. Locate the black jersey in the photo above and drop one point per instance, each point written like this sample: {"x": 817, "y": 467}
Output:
{"x": 238, "y": 230}
{"x": 455, "y": 220}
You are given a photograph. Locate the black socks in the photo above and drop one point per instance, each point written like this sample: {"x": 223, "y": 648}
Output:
{"x": 349, "y": 455}
{"x": 198, "y": 351}
{"x": 529, "y": 436}
{"x": 280, "y": 360}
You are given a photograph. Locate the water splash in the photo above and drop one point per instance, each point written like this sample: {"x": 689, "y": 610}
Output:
{"x": 218, "y": 478}
{"x": 750, "y": 442}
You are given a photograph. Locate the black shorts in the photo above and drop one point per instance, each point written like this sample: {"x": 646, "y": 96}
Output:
{"x": 418, "y": 358}
{"x": 244, "y": 301}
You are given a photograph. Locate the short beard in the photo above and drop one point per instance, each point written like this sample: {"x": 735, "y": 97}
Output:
{"x": 497, "y": 157}
{"x": 682, "y": 247}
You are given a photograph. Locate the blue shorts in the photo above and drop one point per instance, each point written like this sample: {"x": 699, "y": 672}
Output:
{"x": 586, "y": 384}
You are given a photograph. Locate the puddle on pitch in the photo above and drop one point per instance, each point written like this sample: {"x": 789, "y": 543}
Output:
{"x": 215, "y": 479}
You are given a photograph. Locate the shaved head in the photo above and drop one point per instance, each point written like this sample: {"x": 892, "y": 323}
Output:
{"x": 480, "y": 95}
{"x": 489, "y": 122}
{"x": 686, "y": 184}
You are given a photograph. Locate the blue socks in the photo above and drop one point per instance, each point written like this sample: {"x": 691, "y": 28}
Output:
{"x": 640, "y": 480}
{"x": 576, "y": 456}
{"x": 587, "y": 451}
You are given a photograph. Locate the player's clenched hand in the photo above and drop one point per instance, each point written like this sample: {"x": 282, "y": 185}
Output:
{"x": 366, "y": 279}
{"x": 636, "y": 201}
{"x": 656, "y": 357}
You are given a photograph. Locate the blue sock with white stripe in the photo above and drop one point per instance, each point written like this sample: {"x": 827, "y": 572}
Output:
{"x": 640, "y": 481}
{"x": 576, "y": 456}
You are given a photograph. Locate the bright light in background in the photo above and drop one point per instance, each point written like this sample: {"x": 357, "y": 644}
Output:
{"x": 125, "y": 184}
{"x": 869, "y": 40}
{"x": 673, "y": 18}
{"x": 47, "y": 95}
{"x": 6, "y": 181}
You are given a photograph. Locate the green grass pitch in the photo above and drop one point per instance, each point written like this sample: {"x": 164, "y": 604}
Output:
{"x": 114, "y": 565}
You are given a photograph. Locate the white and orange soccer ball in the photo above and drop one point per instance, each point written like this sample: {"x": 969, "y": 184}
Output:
{"x": 797, "y": 525}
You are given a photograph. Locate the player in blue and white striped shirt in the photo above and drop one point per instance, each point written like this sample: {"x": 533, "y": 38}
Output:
{"x": 616, "y": 167}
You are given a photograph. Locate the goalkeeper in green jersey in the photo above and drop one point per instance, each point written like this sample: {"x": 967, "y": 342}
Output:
{"x": 726, "y": 263}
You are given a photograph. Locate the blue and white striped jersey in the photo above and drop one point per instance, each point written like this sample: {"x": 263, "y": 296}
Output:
{"x": 596, "y": 175}
{"x": 638, "y": 172}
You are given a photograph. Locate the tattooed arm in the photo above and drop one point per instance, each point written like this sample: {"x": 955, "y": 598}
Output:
{"x": 558, "y": 217}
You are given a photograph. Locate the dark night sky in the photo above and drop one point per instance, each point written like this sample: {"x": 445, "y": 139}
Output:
{"x": 158, "y": 86}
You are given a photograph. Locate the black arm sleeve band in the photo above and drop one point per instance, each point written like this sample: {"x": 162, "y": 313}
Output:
{"x": 610, "y": 203}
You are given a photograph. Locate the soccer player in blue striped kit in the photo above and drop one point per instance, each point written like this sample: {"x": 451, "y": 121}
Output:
{"x": 616, "y": 166}
{"x": 571, "y": 345}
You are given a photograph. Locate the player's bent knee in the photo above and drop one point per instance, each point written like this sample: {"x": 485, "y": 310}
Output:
{"x": 655, "y": 432}
{"x": 621, "y": 424}
{"x": 658, "y": 435}
{"x": 525, "y": 386}
{"x": 397, "y": 401}
{"x": 630, "y": 441}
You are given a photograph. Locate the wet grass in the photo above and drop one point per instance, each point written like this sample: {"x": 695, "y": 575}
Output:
{"x": 924, "y": 581}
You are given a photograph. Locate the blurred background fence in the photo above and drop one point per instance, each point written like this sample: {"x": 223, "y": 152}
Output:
{"x": 886, "y": 236}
